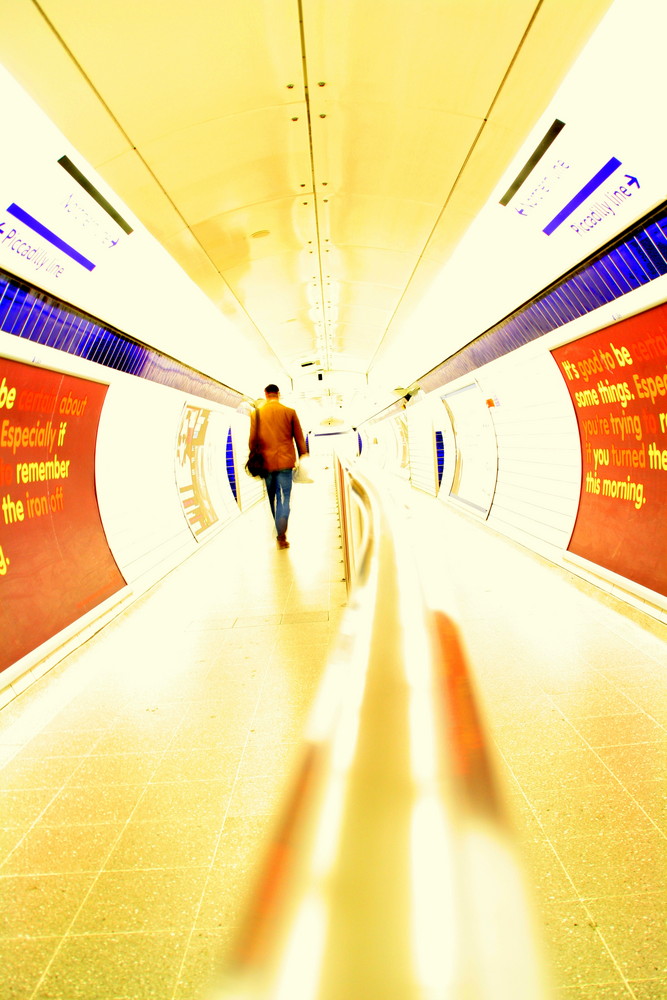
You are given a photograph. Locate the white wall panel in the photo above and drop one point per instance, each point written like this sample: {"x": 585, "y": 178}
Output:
{"x": 250, "y": 490}
{"x": 539, "y": 467}
{"x": 136, "y": 484}
{"x": 442, "y": 422}
{"x": 134, "y": 284}
{"x": 215, "y": 462}
{"x": 476, "y": 447}
{"x": 202, "y": 479}
{"x": 421, "y": 442}
{"x": 386, "y": 444}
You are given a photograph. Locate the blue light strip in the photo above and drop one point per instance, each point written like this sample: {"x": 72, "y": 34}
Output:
{"x": 440, "y": 454}
{"x": 33, "y": 315}
{"x": 41, "y": 230}
{"x": 231, "y": 468}
{"x": 633, "y": 260}
{"x": 581, "y": 196}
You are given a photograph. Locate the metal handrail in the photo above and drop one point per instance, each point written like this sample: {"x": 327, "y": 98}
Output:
{"x": 355, "y": 508}
{"x": 391, "y": 872}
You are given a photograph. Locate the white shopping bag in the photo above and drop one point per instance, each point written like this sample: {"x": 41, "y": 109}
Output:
{"x": 303, "y": 471}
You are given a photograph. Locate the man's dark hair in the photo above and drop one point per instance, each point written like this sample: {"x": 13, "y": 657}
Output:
{"x": 271, "y": 388}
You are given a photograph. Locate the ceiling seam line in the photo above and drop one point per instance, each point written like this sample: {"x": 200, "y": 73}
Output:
{"x": 306, "y": 87}
{"x": 457, "y": 179}
{"x": 148, "y": 169}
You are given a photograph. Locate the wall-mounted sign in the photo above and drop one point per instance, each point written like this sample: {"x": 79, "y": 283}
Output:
{"x": 65, "y": 222}
{"x": 55, "y": 564}
{"x": 617, "y": 380}
{"x": 191, "y": 476}
{"x": 201, "y": 470}
{"x": 567, "y": 187}
{"x": 476, "y": 468}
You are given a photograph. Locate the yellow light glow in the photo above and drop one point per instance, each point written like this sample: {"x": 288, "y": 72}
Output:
{"x": 299, "y": 973}
{"x": 423, "y": 739}
{"x": 327, "y": 836}
{"x": 508, "y": 965}
{"x": 434, "y": 928}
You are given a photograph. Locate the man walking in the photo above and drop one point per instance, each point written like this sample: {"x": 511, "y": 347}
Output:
{"x": 275, "y": 430}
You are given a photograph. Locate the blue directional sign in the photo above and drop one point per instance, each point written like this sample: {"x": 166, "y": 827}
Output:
{"x": 587, "y": 190}
{"x": 37, "y": 227}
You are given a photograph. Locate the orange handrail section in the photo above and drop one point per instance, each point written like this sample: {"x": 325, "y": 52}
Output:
{"x": 391, "y": 873}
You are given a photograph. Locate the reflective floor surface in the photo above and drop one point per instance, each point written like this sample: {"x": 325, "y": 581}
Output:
{"x": 140, "y": 775}
{"x": 574, "y": 691}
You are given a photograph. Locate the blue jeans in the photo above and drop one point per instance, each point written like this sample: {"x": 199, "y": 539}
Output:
{"x": 279, "y": 488}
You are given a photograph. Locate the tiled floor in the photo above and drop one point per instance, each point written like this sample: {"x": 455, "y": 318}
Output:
{"x": 141, "y": 774}
{"x": 575, "y": 694}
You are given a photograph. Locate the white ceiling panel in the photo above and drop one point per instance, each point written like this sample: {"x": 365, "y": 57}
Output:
{"x": 217, "y": 166}
{"x": 311, "y": 164}
{"x": 255, "y": 232}
{"x": 162, "y": 65}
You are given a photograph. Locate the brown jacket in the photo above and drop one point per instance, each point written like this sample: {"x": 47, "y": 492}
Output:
{"x": 279, "y": 430}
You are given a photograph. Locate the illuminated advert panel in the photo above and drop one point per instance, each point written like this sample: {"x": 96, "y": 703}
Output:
{"x": 617, "y": 380}
{"x": 55, "y": 564}
{"x": 201, "y": 470}
{"x": 476, "y": 468}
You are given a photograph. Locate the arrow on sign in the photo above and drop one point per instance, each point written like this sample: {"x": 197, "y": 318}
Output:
{"x": 587, "y": 190}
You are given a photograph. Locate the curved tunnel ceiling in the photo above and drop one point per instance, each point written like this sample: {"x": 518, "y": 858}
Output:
{"x": 311, "y": 164}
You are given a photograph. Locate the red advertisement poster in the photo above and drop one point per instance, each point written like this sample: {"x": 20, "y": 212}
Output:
{"x": 617, "y": 379}
{"x": 55, "y": 564}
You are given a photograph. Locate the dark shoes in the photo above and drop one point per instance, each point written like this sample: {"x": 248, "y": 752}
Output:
{"x": 282, "y": 542}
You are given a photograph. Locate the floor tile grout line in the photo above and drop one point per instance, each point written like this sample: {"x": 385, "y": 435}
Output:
{"x": 622, "y": 633}
{"x": 96, "y": 873}
{"x": 59, "y": 706}
{"x": 581, "y": 900}
{"x": 231, "y": 794}
{"x": 214, "y": 853}
{"x": 549, "y": 840}
{"x": 590, "y": 749}
{"x": 225, "y": 817}
{"x": 140, "y": 932}
{"x": 95, "y": 880}
{"x": 593, "y": 750}
{"x": 66, "y": 784}
{"x": 641, "y": 710}
{"x": 660, "y": 830}
{"x": 246, "y": 744}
